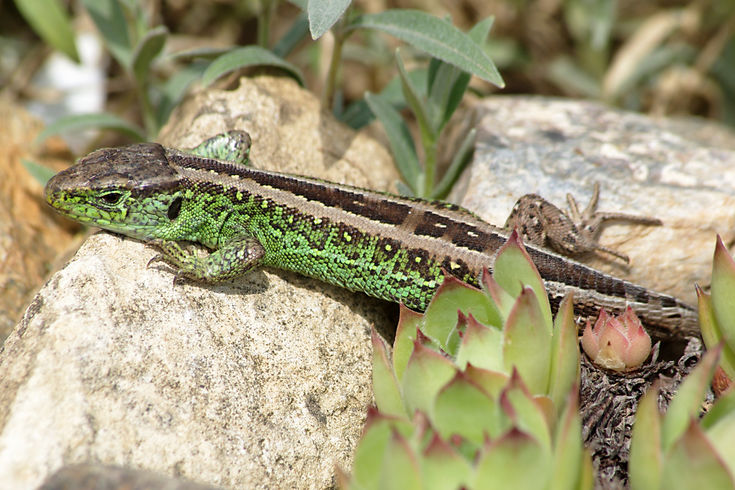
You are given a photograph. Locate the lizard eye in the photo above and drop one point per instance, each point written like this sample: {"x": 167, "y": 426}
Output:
{"x": 174, "y": 208}
{"x": 112, "y": 198}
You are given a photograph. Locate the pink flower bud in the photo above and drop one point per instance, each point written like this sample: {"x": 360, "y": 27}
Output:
{"x": 618, "y": 343}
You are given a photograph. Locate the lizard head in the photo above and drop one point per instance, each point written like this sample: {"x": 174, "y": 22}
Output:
{"x": 131, "y": 190}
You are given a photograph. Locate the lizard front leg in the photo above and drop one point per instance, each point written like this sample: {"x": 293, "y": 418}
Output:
{"x": 235, "y": 258}
{"x": 541, "y": 223}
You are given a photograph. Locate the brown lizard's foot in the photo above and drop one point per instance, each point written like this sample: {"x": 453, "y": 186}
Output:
{"x": 543, "y": 224}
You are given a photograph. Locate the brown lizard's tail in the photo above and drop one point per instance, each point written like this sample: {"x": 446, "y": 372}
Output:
{"x": 664, "y": 316}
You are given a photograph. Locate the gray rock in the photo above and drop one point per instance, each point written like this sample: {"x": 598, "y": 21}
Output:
{"x": 646, "y": 167}
{"x": 257, "y": 383}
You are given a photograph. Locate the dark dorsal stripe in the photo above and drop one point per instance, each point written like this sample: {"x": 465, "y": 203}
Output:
{"x": 373, "y": 206}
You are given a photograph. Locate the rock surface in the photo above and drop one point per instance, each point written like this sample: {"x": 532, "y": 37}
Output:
{"x": 260, "y": 382}
{"x": 644, "y": 166}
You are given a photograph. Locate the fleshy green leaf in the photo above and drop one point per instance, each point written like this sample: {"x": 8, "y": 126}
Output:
{"x": 110, "y": 20}
{"x": 462, "y": 408}
{"x": 385, "y": 386}
{"x": 568, "y": 449}
{"x": 147, "y": 49}
{"x": 400, "y": 470}
{"x": 500, "y": 298}
{"x": 723, "y": 408}
{"x": 427, "y": 371}
{"x": 323, "y": 14}
{"x": 481, "y": 346}
{"x": 399, "y": 138}
{"x": 50, "y": 21}
{"x": 711, "y": 333}
{"x": 408, "y": 322}
{"x": 81, "y": 122}
{"x": 371, "y": 448}
{"x": 646, "y": 462}
{"x": 721, "y": 435}
{"x": 491, "y": 382}
{"x": 692, "y": 462}
{"x": 514, "y": 268}
{"x": 515, "y": 460}
{"x": 564, "y": 352}
{"x": 434, "y": 36}
{"x": 245, "y": 57}
{"x": 688, "y": 400}
{"x": 452, "y": 296}
{"x": 723, "y": 292}
{"x": 526, "y": 412}
{"x": 527, "y": 343}
{"x": 443, "y": 467}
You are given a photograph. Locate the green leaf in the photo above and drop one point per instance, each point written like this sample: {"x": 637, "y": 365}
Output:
{"x": 492, "y": 382}
{"x": 526, "y": 411}
{"x": 399, "y": 137}
{"x": 110, "y": 20}
{"x": 515, "y": 460}
{"x": 568, "y": 451}
{"x": 723, "y": 292}
{"x": 712, "y": 335}
{"x": 81, "y": 122}
{"x": 248, "y": 56}
{"x": 172, "y": 91}
{"x": 427, "y": 371}
{"x": 462, "y": 408}
{"x": 147, "y": 49}
{"x": 527, "y": 343}
{"x": 692, "y": 462}
{"x": 461, "y": 159}
{"x": 434, "y": 36}
{"x": 41, "y": 173}
{"x": 721, "y": 434}
{"x": 564, "y": 352}
{"x": 413, "y": 99}
{"x": 442, "y": 467}
{"x": 400, "y": 469}
{"x": 385, "y": 386}
{"x": 646, "y": 462}
{"x": 323, "y": 14}
{"x": 514, "y": 268}
{"x": 358, "y": 114}
{"x": 441, "y": 315}
{"x": 500, "y": 298}
{"x": 295, "y": 34}
{"x": 447, "y": 84}
{"x": 408, "y": 322}
{"x": 50, "y": 21}
{"x": 371, "y": 449}
{"x": 688, "y": 400}
{"x": 481, "y": 346}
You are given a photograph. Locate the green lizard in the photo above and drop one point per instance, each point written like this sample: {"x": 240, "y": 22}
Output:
{"x": 389, "y": 247}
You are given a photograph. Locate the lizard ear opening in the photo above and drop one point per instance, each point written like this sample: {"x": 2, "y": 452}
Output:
{"x": 174, "y": 208}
